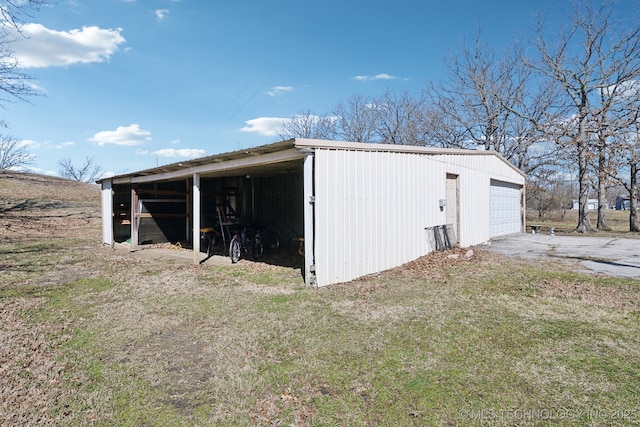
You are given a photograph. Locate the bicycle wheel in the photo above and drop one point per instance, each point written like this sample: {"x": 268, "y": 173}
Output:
{"x": 234, "y": 250}
{"x": 257, "y": 248}
{"x": 275, "y": 242}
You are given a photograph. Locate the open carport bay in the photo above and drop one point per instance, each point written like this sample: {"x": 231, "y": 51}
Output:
{"x": 267, "y": 195}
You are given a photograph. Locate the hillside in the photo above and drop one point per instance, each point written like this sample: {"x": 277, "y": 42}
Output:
{"x": 33, "y": 206}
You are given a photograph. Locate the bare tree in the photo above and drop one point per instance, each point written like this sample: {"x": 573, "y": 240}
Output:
{"x": 492, "y": 101}
{"x": 615, "y": 114}
{"x": 605, "y": 160}
{"x": 13, "y": 153}
{"x": 628, "y": 141}
{"x": 401, "y": 118}
{"x": 442, "y": 130}
{"x": 86, "y": 172}
{"x": 590, "y": 55}
{"x": 356, "y": 120}
{"x": 308, "y": 125}
{"x": 542, "y": 194}
{"x": 632, "y": 187}
{"x": 14, "y": 83}
{"x": 472, "y": 94}
{"x": 12, "y": 11}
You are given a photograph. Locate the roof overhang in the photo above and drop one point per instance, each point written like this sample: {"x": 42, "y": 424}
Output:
{"x": 271, "y": 158}
{"x": 397, "y": 148}
{"x": 283, "y": 156}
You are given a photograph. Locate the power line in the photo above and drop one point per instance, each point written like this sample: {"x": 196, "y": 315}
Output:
{"x": 244, "y": 89}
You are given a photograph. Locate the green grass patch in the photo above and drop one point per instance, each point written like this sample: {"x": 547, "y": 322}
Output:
{"x": 250, "y": 345}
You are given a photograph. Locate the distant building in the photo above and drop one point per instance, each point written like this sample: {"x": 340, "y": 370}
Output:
{"x": 622, "y": 202}
{"x": 592, "y": 204}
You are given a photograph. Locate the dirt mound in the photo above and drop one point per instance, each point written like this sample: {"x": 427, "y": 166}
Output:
{"x": 35, "y": 206}
{"x": 29, "y": 186}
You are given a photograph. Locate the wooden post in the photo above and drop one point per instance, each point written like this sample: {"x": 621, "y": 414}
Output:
{"x": 188, "y": 207}
{"x": 134, "y": 217}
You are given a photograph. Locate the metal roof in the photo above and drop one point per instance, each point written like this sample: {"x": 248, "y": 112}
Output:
{"x": 270, "y": 158}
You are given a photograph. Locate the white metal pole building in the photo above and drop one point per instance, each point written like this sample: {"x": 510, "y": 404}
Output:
{"x": 360, "y": 208}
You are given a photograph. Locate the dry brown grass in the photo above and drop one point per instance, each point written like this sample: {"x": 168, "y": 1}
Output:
{"x": 31, "y": 370}
{"x": 35, "y": 206}
{"x": 585, "y": 293}
{"x": 566, "y": 222}
{"x": 98, "y": 336}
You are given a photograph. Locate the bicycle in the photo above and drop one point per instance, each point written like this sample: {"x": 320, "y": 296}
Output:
{"x": 242, "y": 242}
{"x": 269, "y": 238}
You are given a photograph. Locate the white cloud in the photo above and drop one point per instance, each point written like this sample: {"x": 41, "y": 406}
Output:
{"x": 628, "y": 90}
{"x": 161, "y": 13}
{"x": 142, "y": 152}
{"x": 43, "y": 47}
{"x": 188, "y": 153}
{"x": 36, "y": 88}
{"x": 279, "y": 90}
{"x": 65, "y": 144}
{"x": 269, "y": 126}
{"x": 382, "y": 76}
{"x": 30, "y": 143}
{"x": 123, "y": 135}
{"x": 37, "y": 170}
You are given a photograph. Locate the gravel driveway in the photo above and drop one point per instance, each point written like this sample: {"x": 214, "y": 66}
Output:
{"x": 604, "y": 255}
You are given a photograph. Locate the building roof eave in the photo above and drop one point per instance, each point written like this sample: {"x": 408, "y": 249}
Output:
{"x": 287, "y": 150}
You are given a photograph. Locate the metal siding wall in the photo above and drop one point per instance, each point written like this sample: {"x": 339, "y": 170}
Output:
{"x": 365, "y": 235}
{"x": 371, "y": 211}
{"x": 372, "y": 208}
{"x": 278, "y": 200}
{"x": 476, "y": 173}
{"x": 473, "y": 180}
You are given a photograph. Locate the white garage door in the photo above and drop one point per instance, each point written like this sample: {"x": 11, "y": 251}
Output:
{"x": 506, "y": 217}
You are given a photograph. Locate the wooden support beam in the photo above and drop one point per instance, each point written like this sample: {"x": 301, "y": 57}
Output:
{"x": 135, "y": 221}
{"x": 188, "y": 207}
{"x": 166, "y": 215}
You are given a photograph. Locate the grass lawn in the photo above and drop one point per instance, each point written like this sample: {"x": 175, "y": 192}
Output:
{"x": 565, "y": 222}
{"x": 103, "y": 337}
{"x": 441, "y": 342}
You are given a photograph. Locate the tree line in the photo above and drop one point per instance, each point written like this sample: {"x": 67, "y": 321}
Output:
{"x": 564, "y": 103}
{"x": 15, "y": 85}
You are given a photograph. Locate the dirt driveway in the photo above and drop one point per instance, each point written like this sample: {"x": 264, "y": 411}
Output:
{"x": 604, "y": 255}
